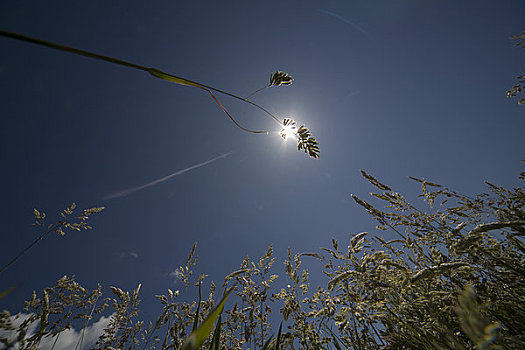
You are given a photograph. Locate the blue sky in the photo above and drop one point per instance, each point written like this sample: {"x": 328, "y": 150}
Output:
{"x": 397, "y": 88}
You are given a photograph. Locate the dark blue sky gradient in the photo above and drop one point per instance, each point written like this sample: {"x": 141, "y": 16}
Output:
{"x": 421, "y": 94}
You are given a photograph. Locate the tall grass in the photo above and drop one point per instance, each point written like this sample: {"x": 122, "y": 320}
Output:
{"x": 454, "y": 279}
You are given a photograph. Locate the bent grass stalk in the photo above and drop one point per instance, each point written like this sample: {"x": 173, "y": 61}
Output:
{"x": 77, "y": 223}
{"x": 276, "y": 79}
{"x": 23, "y": 251}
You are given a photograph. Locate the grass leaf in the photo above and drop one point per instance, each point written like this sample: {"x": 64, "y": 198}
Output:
{"x": 198, "y": 336}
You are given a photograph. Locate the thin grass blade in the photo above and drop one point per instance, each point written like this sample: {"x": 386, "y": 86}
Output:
{"x": 197, "y": 337}
{"x": 334, "y": 337}
{"x": 267, "y": 344}
{"x": 6, "y": 292}
{"x": 171, "y": 78}
{"x": 196, "y": 319}
{"x": 215, "y": 344}
{"x": 278, "y": 343}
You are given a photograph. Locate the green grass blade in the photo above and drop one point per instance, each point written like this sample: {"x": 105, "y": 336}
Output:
{"x": 197, "y": 337}
{"x": 172, "y": 78}
{"x": 196, "y": 320}
{"x": 278, "y": 343}
{"x": 215, "y": 344}
{"x": 267, "y": 344}
{"x": 334, "y": 337}
{"x": 6, "y": 292}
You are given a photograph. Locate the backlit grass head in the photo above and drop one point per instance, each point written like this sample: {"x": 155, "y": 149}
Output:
{"x": 280, "y": 78}
{"x": 305, "y": 139}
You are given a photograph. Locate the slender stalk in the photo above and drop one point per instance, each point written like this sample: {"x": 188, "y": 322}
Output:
{"x": 22, "y": 37}
{"x": 262, "y": 326}
{"x": 55, "y": 342}
{"x": 256, "y": 91}
{"x": 153, "y": 71}
{"x": 376, "y": 332}
{"x": 23, "y": 251}
{"x": 81, "y": 338}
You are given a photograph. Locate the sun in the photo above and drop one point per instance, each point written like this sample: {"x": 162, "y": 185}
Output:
{"x": 289, "y": 129}
{"x": 289, "y": 132}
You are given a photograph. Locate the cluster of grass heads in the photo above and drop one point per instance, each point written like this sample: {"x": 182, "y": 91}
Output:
{"x": 454, "y": 278}
{"x": 518, "y": 88}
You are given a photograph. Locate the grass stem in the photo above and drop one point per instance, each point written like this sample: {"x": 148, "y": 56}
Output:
{"x": 153, "y": 71}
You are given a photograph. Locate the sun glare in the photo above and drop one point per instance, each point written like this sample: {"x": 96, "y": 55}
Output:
{"x": 289, "y": 132}
{"x": 289, "y": 129}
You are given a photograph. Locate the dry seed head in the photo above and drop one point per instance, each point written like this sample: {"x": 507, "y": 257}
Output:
{"x": 280, "y": 78}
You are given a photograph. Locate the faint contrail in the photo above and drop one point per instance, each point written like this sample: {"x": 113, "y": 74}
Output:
{"x": 138, "y": 188}
{"x": 330, "y": 13}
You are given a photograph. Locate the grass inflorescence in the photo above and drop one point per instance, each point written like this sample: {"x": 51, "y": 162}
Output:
{"x": 454, "y": 279}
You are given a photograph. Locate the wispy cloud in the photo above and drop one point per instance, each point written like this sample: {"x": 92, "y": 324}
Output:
{"x": 67, "y": 339}
{"x": 162, "y": 179}
{"x": 176, "y": 275}
{"x": 347, "y": 21}
{"x": 129, "y": 254}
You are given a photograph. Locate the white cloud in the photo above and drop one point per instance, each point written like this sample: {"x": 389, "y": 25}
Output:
{"x": 67, "y": 340}
{"x": 177, "y": 275}
{"x": 129, "y": 254}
